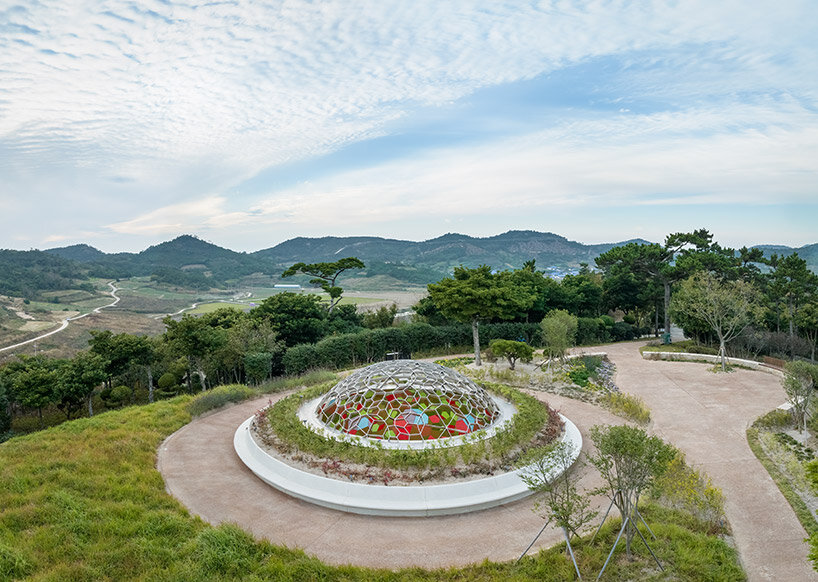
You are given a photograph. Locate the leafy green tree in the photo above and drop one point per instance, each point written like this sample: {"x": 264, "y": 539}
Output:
{"x": 474, "y": 295}
{"x": 344, "y": 319}
{"x": 797, "y": 285}
{"x": 258, "y": 366}
{"x": 5, "y": 408}
{"x": 124, "y": 351}
{"x": 511, "y": 351}
{"x": 77, "y": 380}
{"x": 726, "y": 307}
{"x": 196, "y": 340}
{"x": 383, "y": 317}
{"x": 429, "y": 313}
{"x": 807, "y": 322}
{"x": 583, "y": 293}
{"x": 559, "y": 330}
{"x": 550, "y": 476}
{"x": 295, "y": 318}
{"x": 629, "y": 461}
{"x": 324, "y": 276}
{"x": 680, "y": 256}
{"x": 251, "y": 336}
{"x": 33, "y": 382}
{"x": 533, "y": 283}
{"x": 799, "y": 383}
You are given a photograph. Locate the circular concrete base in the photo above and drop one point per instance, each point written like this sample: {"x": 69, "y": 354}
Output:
{"x": 392, "y": 500}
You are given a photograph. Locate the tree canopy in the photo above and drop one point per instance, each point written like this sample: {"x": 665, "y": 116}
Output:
{"x": 324, "y": 276}
{"x": 474, "y": 295}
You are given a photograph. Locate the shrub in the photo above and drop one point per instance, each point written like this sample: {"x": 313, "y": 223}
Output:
{"x": 298, "y": 359}
{"x": 628, "y": 406}
{"x": 588, "y": 331}
{"x": 511, "y": 350}
{"x": 118, "y": 395}
{"x": 308, "y": 379}
{"x": 683, "y": 487}
{"x": 218, "y": 397}
{"x": 622, "y": 331}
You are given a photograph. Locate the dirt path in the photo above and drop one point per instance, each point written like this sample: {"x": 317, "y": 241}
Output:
{"x": 67, "y": 320}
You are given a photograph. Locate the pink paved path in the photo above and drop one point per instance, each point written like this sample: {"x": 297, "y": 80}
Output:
{"x": 705, "y": 414}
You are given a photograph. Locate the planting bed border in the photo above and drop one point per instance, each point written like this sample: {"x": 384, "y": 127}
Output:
{"x": 389, "y": 500}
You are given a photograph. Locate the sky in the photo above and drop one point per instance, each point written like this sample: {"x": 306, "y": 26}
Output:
{"x": 127, "y": 123}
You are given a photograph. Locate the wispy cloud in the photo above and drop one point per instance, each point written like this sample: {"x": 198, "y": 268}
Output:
{"x": 150, "y": 104}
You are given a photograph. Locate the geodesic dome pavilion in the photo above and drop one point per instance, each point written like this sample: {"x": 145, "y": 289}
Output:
{"x": 407, "y": 400}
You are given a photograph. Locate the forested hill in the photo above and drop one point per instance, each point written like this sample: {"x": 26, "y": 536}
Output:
{"x": 28, "y": 273}
{"x": 507, "y": 250}
{"x": 188, "y": 261}
{"x": 185, "y": 261}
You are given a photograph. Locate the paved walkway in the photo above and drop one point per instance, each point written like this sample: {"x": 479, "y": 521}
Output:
{"x": 704, "y": 414}
{"x": 707, "y": 415}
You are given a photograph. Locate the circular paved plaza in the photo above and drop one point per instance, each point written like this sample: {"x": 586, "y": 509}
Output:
{"x": 704, "y": 414}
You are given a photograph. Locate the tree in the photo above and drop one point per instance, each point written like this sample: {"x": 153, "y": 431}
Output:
{"x": 583, "y": 293}
{"x": 123, "y": 351}
{"x": 295, "y": 318}
{"x": 629, "y": 461}
{"x": 383, "y": 317}
{"x": 196, "y": 340}
{"x": 799, "y": 384}
{"x": 33, "y": 382}
{"x": 727, "y": 307}
{"x": 5, "y": 406}
{"x": 559, "y": 330}
{"x": 552, "y": 478}
{"x": 797, "y": 285}
{"x": 680, "y": 256}
{"x": 511, "y": 350}
{"x": 77, "y": 380}
{"x": 324, "y": 276}
{"x": 472, "y": 295}
{"x": 807, "y": 322}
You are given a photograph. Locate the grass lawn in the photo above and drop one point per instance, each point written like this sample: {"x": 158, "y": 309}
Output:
{"x": 83, "y": 501}
{"x": 211, "y": 307}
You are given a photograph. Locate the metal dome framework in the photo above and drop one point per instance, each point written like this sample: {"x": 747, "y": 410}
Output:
{"x": 407, "y": 400}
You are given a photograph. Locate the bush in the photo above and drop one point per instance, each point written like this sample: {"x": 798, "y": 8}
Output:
{"x": 511, "y": 350}
{"x": 218, "y": 397}
{"x": 589, "y": 331}
{"x": 298, "y": 359}
{"x": 5, "y": 418}
{"x": 628, "y": 406}
{"x": 258, "y": 366}
{"x": 622, "y": 331}
{"x": 683, "y": 487}
{"x": 372, "y": 345}
{"x": 118, "y": 396}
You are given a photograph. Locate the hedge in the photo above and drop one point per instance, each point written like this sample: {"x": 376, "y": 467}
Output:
{"x": 372, "y": 345}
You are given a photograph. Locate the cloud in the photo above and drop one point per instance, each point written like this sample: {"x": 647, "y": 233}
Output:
{"x": 149, "y": 104}
{"x": 173, "y": 219}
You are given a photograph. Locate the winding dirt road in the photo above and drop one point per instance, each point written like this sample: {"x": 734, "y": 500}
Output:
{"x": 67, "y": 320}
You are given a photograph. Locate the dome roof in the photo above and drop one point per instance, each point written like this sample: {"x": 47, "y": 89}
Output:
{"x": 407, "y": 400}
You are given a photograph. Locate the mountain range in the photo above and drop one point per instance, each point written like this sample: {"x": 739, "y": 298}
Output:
{"x": 193, "y": 262}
